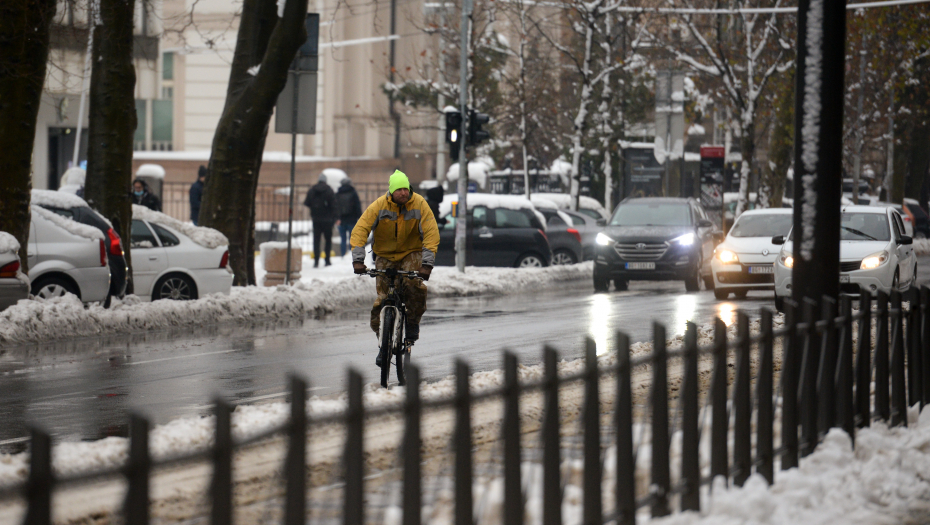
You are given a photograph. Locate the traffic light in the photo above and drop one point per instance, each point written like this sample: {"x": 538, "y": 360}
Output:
{"x": 476, "y": 135}
{"x": 454, "y": 133}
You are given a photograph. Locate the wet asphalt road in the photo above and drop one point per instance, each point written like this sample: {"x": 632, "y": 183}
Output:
{"x": 84, "y": 389}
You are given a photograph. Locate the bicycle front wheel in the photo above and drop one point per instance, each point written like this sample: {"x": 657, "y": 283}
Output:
{"x": 387, "y": 336}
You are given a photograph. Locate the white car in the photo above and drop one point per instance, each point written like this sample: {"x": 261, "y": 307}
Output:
{"x": 875, "y": 254}
{"x": 744, "y": 260}
{"x": 175, "y": 260}
{"x": 13, "y": 284}
{"x": 66, "y": 256}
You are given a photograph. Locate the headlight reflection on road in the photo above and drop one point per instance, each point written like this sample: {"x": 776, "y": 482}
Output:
{"x": 726, "y": 312}
{"x": 685, "y": 307}
{"x": 600, "y": 315}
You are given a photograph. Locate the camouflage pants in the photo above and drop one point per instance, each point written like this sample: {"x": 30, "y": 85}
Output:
{"x": 414, "y": 291}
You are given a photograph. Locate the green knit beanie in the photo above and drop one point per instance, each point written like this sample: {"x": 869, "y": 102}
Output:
{"x": 398, "y": 181}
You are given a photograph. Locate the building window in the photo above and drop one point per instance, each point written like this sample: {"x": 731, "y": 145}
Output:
{"x": 167, "y": 66}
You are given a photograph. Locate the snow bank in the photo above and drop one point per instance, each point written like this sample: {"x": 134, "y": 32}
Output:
{"x": 8, "y": 243}
{"x": 478, "y": 171}
{"x": 71, "y": 226}
{"x": 58, "y": 199}
{"x": 206, "y": 237}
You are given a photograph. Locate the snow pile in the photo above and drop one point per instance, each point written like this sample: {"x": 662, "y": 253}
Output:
{"x": 206, "y": 237}
{"x": 334, "y": 177}
{"x": 8, "y": 243}
{"x": 73, "y": 180}
{"x": 478, "y": 171}
{"x": 58, "y": 199}
{"x": 71, "y": 226}
{"x": 561, "y": 169}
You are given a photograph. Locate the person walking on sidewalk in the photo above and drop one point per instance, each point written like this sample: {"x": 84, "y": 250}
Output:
{"x": 322, "y": 203}
{"x": 350, "y": 209}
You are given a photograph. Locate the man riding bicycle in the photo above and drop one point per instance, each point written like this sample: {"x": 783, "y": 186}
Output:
{"x": 405, "y": 238}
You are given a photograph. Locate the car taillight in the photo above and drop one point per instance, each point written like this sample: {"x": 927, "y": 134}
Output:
{"x": 116, "y": 247}
{"x": 225, "y": 260}
{"x": 103, "y": 253}
{"x": 544, "y": 235}
{"x": 8, "y": 271}
{"x": 574, "y": 232}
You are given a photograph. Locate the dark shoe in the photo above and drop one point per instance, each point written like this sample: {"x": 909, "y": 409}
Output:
{"x": 412, "y": 332}
{"x": 328, "y": 263}
{"x": 316, "y": 263}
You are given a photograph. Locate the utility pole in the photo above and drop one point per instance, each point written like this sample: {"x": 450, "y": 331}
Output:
{"x": 461, "y": 216}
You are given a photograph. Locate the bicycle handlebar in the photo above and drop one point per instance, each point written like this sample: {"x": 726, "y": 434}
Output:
{"x": 391, "y": 272}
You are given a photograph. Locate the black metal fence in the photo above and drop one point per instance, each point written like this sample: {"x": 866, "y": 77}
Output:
{"x": 827, "y": 368}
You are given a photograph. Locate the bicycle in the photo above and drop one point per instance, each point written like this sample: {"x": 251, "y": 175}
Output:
{"x": 393, "y": 324}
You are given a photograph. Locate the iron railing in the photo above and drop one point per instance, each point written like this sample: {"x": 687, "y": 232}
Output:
{"x": 827, "y": 369}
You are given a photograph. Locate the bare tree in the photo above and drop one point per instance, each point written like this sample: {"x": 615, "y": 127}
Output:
{"x": 265, "y": 47}
{"x": 24, "y": 41}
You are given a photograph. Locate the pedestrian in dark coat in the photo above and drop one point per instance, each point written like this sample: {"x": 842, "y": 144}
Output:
{"x": 349, "y": 207}
{"x": 142, "y": 196}
{"x": 322, "y": 203}
{"x": 196, "y": 194}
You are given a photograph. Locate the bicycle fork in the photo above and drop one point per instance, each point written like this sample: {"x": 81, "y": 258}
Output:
{"x": 396, "y": 335}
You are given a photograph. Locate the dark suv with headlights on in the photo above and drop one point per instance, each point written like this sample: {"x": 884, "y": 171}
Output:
{"x": 656, "y": 239}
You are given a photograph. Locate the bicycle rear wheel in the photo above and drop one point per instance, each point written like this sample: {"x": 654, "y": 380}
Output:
{"x": 387, "y": 334}
{"x": 403, "y": 359}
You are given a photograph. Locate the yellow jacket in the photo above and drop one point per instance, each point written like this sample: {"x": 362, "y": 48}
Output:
{"x": 399, "y": 230}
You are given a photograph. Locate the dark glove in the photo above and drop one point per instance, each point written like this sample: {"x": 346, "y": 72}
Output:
{"x": 424, "y": 272}
{"x": 359, "y": 268}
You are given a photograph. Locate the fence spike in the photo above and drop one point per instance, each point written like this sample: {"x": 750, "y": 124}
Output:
{"x": 690, "y": 436}
{"x": 826, "y": 369}
{"x": 924, "y": 342}
{"x": 41, "y": 479}
{"x": 413, "y": 497}
{"x": 462, "y": 439}
{"x": 295, "y": 468}
{"x": 353, "y": 498}
{"x": 661, "y": 477}
{"x": 764, "y": 387}
{"x": 789, "y": 387}
{"x": 898, "y": 387}
{"x": 914, "y": 363}
{"x": 593, "y": 512}
{"x": 807, "y": 400}
{"x": 720, "y": 424}
{"x": 513, "y": 490}
{"x": 626, "y": 462}
{"x": 845, "y": 417}
{"x": 882, "y": 400}
{"x": 221, "y": 488}
{"x": 552, "y": 455}
{"x": 864, "y": 362}
{"x": 138, "y": 469}
{"x": 742, "y": 403}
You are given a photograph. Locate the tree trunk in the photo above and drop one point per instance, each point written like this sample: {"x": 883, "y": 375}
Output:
{"x": 112, "y": 120}
{"x": 781, "y": 149}
{"x": 24, "y": 36}
{"x": 236, "y": 158}
{"x": 748, "y": 152}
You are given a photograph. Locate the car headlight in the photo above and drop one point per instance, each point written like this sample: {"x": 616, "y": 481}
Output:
{"x": 727, "y": 257}
{"x": 787, "y": 261}
{"x": 685, "y": 240}
{"x": 874, "y": 261}
{"x": 604, "y": 240}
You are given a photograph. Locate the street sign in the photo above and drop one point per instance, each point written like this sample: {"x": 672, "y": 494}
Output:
{"x": 712, "y": 173}
{"x": 305, "y": 119}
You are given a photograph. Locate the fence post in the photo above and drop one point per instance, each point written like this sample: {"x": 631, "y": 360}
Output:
{"x": 826, "y": 369}
{"x": 808, "y": 378}
{"x": 221, "y": 488}
{"x": 742, "y": 403}
{"x": 138, "y": 469}
{"x": 661, "y": 477}
{"x": 353, "y": 512}
{"x": 925, "y": 341}
{"x": 720, "y": 424}
{"x": 844, "y": 372}
{"x": 882, "y": 401}
{"x": 789, "y": 387}
{"x": 513, "y": 493}
{"x": 295, "y": 506}
{"x": 626, "y": 461}
{"x": 462, "y": 439}
{"x": 898, "y": 388}
{"x": 765, "y": 417}
{"x": 864, "y": 362}
{"x": 552, "y": 450}
{"x": 41, "y": 479}
{"x": 690, "y": 437}
{"x": 592, "y": 438}
{"x": 914, "y": 362}
{"x": 413, "y": 499}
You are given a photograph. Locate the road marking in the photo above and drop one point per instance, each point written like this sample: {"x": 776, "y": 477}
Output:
{"x": 179, "y": 357}
{"x": 260, "y": 398}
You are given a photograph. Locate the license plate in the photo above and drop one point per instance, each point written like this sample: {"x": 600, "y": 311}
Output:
{"x": 640, "y": 266}
{"x": 844, "y": 279}
{"x": 761, "y": 269}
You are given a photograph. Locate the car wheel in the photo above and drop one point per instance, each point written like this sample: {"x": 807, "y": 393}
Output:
{"x": 563, "y": 257}
{"x": 51, "y": 287}
{"x": 530, "y": 260}
{"x": 601, "y": 283}
{"x": 894, "y": 282}
{"x": 693, "y": 282}
{"x": 721, "y": 295}
{"x": 175, "y": 286}
{"x": 621, "y": 285}
{"x": 779, "y": 303}
{"x": 741, "y": 294}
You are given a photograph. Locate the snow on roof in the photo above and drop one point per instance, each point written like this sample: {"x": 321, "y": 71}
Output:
{"x": 512, "y": 202}
{"x": 8, "y": 243}
{"x": 206, "y": 237}
{"x": 564, "y": 201}
{"x": 71, "y": 226}
{"x": 57, "y": 199}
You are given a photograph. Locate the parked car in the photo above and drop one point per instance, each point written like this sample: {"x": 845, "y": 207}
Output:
{"x": 586, "y": 205}
{"x": 66, "y": 256}
{"x": 745, "y": 259}
{"x": 918, "y": 218}
{"x": 656, "y": 239}
{"x": 169, "y": 263}
{"x": 503, "y": 230}
{"x": 564, "y": 239}
{"x": 75, "y": 208}
{"x": 875, "y": 254}
{"x": 588, "y": 227}
{"x": 13, "y": 284}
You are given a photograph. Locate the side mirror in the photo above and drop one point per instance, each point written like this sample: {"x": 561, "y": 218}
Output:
{"x": 778, "y": 239}
{"x": 602, "y": 222}
{"x": 906, "y": 239}
{"x": 704, "y": 223}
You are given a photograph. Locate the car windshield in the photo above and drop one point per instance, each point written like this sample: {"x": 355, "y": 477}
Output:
{"x": 652, "y": 214}
{"x": 864, "y": 227}
{"x": 766, "y": 225}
